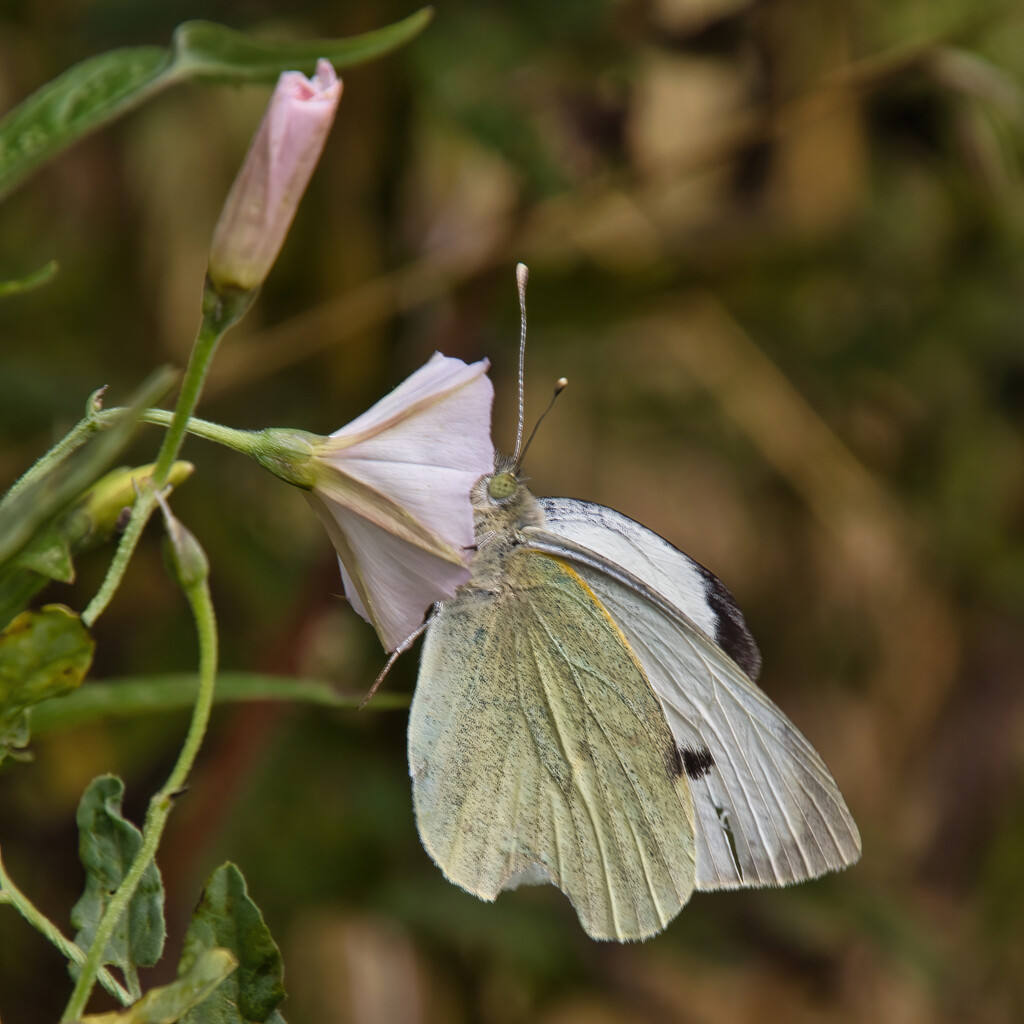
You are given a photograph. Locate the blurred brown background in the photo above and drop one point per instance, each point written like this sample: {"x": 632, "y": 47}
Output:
{"x": 777, "y": 249}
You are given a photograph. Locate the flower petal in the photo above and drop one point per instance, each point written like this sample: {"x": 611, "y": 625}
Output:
{"x": 423, "y": 446}
{"x": 391, "y": 582}
{"x": 393, "y": 490}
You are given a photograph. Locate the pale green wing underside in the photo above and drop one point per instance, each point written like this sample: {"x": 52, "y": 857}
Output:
{"x": 539, "y": 752}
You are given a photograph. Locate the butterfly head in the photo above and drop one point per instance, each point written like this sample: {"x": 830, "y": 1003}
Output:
{"x": 502, "y": 502}
{"x": 502, "y": 486}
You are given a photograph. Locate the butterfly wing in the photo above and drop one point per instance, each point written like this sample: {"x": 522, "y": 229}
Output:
{"x": 539, "y": 753}
{"x": 768, "y": 811}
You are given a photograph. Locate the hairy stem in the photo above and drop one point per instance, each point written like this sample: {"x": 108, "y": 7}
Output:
{"x": 161, "y": 803}
{"x": 10, "y": 893}
{"x": 218, "y": 315}
{"x": 244, "y": 441}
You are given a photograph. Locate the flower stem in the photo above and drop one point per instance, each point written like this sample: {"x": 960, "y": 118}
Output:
{"x": 10, "y": 893}
{"x": 244, "y": 441}
{"x": 73, "y": 440}
{"x": 160, "y": 805}
{"x": 219, "y": 313}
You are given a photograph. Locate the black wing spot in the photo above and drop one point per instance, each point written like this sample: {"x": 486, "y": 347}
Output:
{"x": 674, "y": 766}
{"x": 731, "y": 633}
{"x": 697, "y": 762}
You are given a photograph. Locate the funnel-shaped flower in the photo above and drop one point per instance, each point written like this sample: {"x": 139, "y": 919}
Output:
{"x": 281, "y": 159}
{"x": 393, "y": 487}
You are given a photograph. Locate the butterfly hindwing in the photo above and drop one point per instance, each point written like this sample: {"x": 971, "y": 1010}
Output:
{"x": 768, "y": 811}
{"x": 539, "y": 752}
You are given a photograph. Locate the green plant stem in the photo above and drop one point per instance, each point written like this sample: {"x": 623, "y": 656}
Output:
{"x": 244, "y": 441}
{"x": 161, "y": 803}
{"x": 70, "y": 442}
{"x": 10, "y": 893}
{"x": 58, "y": 478}
{"x": 219, "y": 313}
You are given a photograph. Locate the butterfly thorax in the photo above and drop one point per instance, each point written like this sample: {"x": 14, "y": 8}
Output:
{"x": 502, "y": 508}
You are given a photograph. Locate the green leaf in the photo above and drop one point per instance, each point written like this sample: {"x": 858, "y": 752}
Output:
{"x": 107, "y": 845}
{"x": 29, "y": 509}
{"x": 228, "y": 918}
{"x": 169, "y": 1003}
{"x": 43, "y": 654}
{"x": 75, "y": 103}
{"x": 102, "y": 88}
{"x": 48, "y": 553}
{"x": 177, "y": 692}
{"x": 17, "y": 588}
{"x": 34, "y": 280}
{"x": 212, "y": 52}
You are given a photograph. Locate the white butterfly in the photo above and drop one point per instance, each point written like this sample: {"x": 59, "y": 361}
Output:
{"x": 586, "y": 715}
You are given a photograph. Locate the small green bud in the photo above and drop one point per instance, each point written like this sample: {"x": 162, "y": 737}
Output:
{"x": 185, "y": 557}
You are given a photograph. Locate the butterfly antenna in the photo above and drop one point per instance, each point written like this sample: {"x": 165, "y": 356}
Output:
{"x": 522, "y": 275}
{"x": 560, "y": 385}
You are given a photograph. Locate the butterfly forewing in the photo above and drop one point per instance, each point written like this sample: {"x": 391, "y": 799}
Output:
{"x": 539, "y": 752}
{"x": 768, "y": 811}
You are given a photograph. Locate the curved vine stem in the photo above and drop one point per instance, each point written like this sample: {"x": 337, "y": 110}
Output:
{"x": 10, "y": 893}
{"x": 160, "y": 805}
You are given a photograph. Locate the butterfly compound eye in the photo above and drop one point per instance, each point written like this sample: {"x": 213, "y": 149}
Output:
{"x": 502, "y": 485}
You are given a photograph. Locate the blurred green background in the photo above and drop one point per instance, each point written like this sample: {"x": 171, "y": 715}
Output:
{"x": 778, "y": 249}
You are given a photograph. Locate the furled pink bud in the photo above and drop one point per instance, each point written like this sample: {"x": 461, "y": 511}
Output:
{"x": 263, "y": 200}
{"x": 393, "y": 487}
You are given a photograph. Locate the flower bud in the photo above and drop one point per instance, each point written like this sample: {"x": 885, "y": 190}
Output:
{"x": 184, "y": 555}
{"x": 263, "y": 200}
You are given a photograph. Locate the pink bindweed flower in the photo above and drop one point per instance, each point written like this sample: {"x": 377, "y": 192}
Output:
{"x": 393, "y": 487}
{"x": 266, "y": 193}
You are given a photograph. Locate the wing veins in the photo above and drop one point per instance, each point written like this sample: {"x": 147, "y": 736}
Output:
{"x": 663, "y": 920}
{"x": 459, "y": 837}
{"x": 574, "y": 786}
{"x": 715, "y": 684}
{"x": 608, "y": 739}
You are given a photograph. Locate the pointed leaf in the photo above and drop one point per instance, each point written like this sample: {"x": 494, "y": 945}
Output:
{"x": 43, "y": 654}
{"x": 102, "y": 88}
{"x": 75, "y": 103}
{"x": 169, "y": 1003}
{"x": 227, "y": 917}
{"x": 47, "y": 553}
{"x": 107, "y": 846}
{"x": 215, "y": 52}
